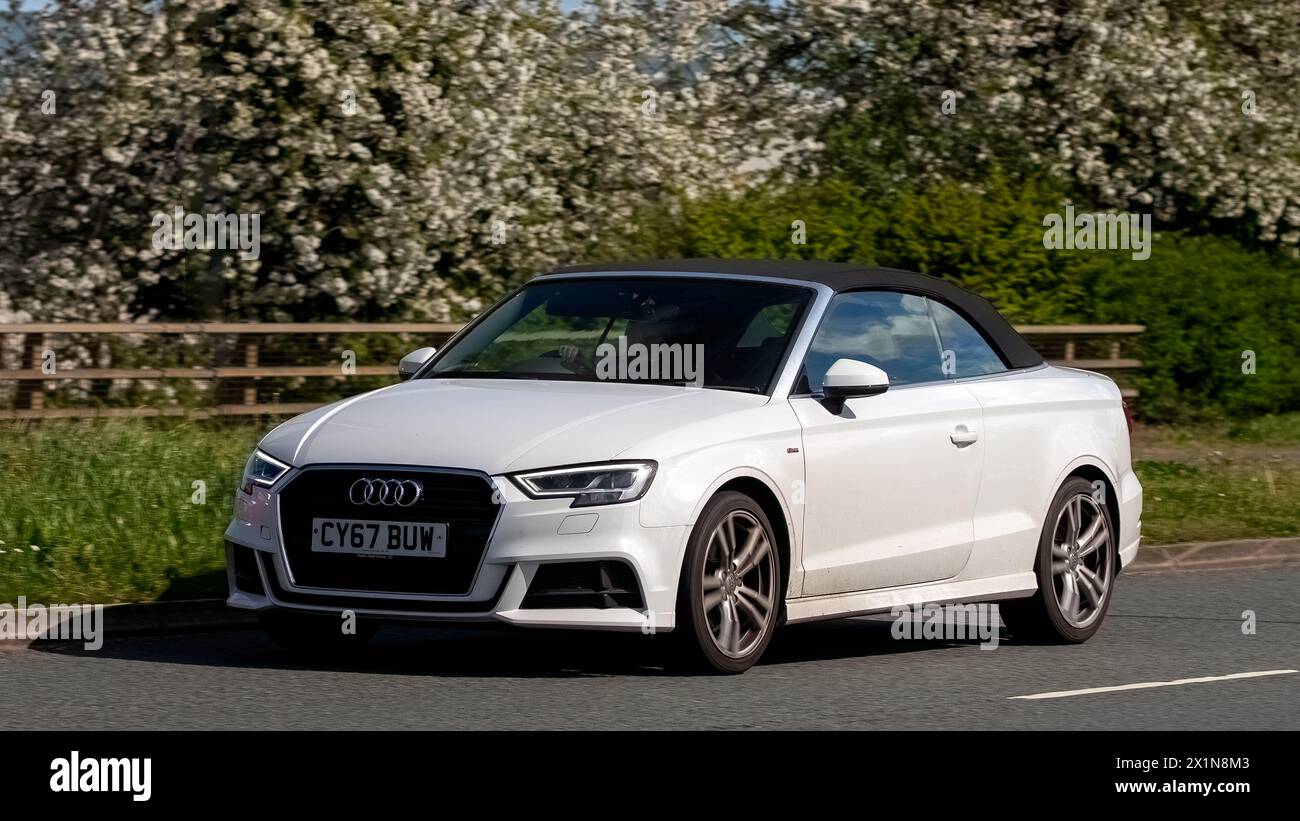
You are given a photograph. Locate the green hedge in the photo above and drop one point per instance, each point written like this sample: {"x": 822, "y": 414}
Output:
{"x": 990, "y": 243}
{"x": 1205, "y": 300}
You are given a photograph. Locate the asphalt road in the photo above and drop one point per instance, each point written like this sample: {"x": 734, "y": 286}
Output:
{"x": 845, "y": 674}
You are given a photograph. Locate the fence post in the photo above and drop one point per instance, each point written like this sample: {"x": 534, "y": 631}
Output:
{"x": 31, "y": 392}
{"x": 250, "y": 361}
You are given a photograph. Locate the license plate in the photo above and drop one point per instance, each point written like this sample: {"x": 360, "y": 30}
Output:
{"x": 370, "y": 538}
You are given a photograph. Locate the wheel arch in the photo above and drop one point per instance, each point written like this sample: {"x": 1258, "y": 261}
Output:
{"x": 1093, "y": 470}
{"x": 761, "y": 489}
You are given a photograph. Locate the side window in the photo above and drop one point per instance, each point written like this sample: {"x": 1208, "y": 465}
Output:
{"x": 772, "y": 322}
{"x": 892, "y": 331}
{"x": 965, "y": 351}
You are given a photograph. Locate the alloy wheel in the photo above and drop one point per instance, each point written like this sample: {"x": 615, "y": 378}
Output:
{"x": 739, "y": 584}
{"x": 1081, "y": 560}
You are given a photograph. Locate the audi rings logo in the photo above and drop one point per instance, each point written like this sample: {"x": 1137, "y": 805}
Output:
{"x": 386, "y": 492}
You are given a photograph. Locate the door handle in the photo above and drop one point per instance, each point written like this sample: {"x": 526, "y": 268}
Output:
{"x": 961, "y": 435}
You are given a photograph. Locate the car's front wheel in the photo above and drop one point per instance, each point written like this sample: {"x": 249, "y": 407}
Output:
{"x": 1076, "y": 570}
{"x": 316, "y": 635}
{"x": 729, "y": 596}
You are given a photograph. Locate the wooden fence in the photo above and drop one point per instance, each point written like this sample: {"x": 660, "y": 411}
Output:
{"x": 1089, "y": 347}
{"x": 244, "y": 364}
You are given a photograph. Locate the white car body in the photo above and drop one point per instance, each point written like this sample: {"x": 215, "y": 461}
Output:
{"x": 926, "y": 493}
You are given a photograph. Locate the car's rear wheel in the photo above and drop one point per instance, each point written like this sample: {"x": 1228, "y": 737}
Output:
{"x": 729, "y": 597}
{"x": 315, "y": 635}
{"x": 1075, "y": 568}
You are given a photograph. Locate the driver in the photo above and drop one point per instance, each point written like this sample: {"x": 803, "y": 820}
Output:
{"x": 644, "y": 332}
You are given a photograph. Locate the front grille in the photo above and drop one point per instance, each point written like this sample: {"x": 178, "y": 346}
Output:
{"x": 462, "y": 501}
{"x": 416, "y": 606}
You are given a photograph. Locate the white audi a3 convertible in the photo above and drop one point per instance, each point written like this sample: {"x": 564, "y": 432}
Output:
{"x": 708, "y": 449}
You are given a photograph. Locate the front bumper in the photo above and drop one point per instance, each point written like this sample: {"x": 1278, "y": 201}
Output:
{"x": 528, "y": 534}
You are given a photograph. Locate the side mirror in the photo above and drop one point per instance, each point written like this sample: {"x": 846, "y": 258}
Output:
{"x": 849, "y": 378}
{"x": 413, "y": 361}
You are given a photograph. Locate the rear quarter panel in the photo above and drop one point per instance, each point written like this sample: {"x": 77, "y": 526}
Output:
{"x": 1040, "y": 426}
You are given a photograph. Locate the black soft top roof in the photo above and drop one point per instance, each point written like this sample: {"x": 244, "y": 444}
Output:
{"x": 841, "y": 276}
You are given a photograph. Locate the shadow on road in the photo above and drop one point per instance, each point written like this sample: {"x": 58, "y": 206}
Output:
{"x": 208, "y": 584}
{"x": 496, "y": 652}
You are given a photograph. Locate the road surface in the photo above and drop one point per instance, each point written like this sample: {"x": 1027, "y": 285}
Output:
{"x": 849, "y": 674}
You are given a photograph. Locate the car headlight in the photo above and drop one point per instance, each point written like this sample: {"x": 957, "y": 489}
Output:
{"x": 261, "y": 469}
{"x": 600, "y": 484}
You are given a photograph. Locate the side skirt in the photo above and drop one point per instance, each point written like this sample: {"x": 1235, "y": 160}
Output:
{"x": 839, "y": 605}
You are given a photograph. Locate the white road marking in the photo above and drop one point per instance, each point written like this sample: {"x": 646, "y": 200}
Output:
{"x": 1146, "y": 685}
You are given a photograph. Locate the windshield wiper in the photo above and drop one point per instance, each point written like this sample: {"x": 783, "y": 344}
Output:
{"x": 559, "y": 377}
{"x": 468, "y": 374}
{"x": 736, "y": 388}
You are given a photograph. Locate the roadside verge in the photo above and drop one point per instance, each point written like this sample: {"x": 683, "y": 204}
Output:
{"x": 1211, "y": 555}
{"x": 147, "y": 618}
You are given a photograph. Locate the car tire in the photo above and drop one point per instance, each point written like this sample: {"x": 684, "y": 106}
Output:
{"x": 1076, "y": 569}
{"x": 729, "y": 596}
{"x": 317, "y": 636}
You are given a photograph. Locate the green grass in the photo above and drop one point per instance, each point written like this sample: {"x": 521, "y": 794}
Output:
{"x": 1279, "y": 430}
{"x": 104, "y": 511}
{"x": 1273, "y": 429}
{"x": 1220, "y": 480}
{"x": 1188, "y": 503}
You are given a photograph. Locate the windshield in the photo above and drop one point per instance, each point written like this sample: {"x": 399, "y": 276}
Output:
{"x": 710, "y": 333}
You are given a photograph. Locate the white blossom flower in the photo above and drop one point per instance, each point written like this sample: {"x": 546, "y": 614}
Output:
{"x": 374, "y": 137}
